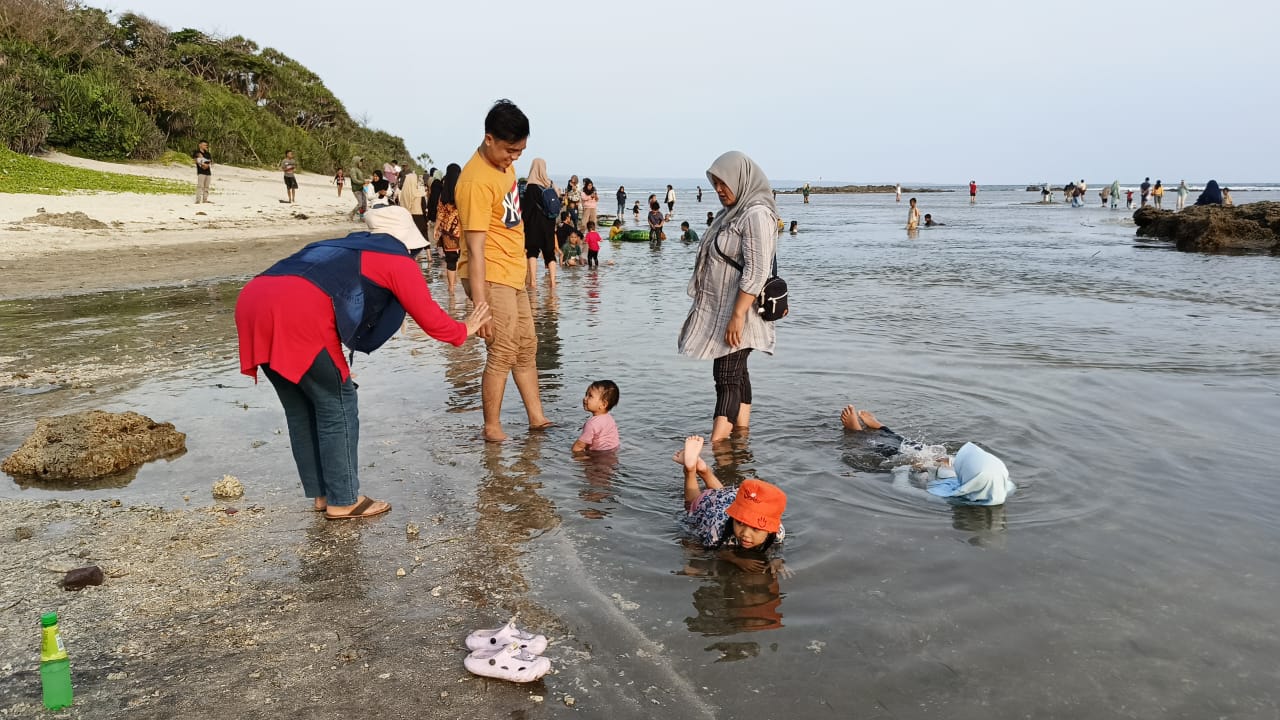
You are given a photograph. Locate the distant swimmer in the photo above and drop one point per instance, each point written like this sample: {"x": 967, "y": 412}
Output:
{"x": 928, "y": 221}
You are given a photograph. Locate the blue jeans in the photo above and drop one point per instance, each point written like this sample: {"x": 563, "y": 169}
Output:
{"x": 324, "y": 429}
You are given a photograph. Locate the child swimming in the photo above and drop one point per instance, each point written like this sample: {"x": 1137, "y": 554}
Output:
{"x": 748, "y": 519}
{"x": 972, "y": 477}
{"x": 600, "y": 432}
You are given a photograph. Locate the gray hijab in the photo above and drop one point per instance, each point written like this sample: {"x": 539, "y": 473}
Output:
{"x": 748, "y": 182}
{"x": 750, "y": 188}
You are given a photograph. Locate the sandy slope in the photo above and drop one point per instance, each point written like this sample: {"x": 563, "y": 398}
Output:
{"x": 160, "y": 239}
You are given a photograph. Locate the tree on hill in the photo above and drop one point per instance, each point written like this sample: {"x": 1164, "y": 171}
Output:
{"x": 72, "y": 78}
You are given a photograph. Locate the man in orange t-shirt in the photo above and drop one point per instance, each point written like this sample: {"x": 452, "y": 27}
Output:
{"x": 492, "y": 266}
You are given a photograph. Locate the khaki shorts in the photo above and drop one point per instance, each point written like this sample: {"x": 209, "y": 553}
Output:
{"x": 515, "y": 344}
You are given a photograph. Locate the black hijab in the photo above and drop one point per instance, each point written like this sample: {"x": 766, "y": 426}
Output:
{"x": 1212, "y": 195}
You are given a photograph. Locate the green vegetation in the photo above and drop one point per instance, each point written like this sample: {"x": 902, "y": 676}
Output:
{"x": 72, "y": 78}
{"x": 22, "y": 174}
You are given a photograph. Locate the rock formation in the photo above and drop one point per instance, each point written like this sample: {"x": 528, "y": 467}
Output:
{"x": 91, "y": 445}
{"x": 1251, "y": 227}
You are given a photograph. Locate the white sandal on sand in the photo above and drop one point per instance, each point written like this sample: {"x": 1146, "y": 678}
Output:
{"x": 507, "y": 662}
{"x": 505, "y": 635}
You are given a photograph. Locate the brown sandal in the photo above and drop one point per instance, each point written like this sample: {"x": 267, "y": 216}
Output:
{"x": 361, "y": 510}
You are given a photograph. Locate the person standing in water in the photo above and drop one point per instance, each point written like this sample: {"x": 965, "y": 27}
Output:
{"x": 622, "y": 200}
{"x": 292, "y": 321}
{"x": 722, "y": 325}
{"x": 539, "y": 227}
{"x": 973, "y": 191}
{"x": 1183, "y": 192}
{"x": 671, "y": 199}
{"x": 1157, "y": 194}
{"x": 493, "y": 267}
{"x": 897, "y": 192}
{"x": 913, "y": 216}
{"x": 699, "y": 193}
{"x": 1145, "y": 190}
{"x": 1115, "y": 194}
{"x": 805, "y": 191}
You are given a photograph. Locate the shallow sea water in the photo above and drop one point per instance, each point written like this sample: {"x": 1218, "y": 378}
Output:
{"x": 1133, "y": 392}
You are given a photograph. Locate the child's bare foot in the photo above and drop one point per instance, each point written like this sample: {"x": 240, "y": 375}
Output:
{"x": 849, "y": 418}
{"x": 692, "y": 448}
{"x": 869, "y": 420}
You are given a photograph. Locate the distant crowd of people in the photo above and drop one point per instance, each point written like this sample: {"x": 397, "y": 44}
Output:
{"x": 1109, "y": 195}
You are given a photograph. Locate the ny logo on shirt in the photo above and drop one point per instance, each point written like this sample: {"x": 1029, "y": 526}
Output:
{"x": 511, "y": 207}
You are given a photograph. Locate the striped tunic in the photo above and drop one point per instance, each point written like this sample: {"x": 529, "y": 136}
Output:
{"x": 750, "y": 239}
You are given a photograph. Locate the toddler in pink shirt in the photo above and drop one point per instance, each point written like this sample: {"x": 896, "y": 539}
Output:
{"x": 600, "y": 433}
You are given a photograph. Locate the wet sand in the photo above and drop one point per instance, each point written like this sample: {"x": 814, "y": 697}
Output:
{"x": 268, "y": 611}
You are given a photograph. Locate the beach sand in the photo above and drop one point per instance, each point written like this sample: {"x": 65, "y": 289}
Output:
{"x": 130, "y": 240}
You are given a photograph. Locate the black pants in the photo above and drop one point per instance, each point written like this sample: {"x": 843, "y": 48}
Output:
{"x": 733, "y": 383}
{"x": 593, "y": 258}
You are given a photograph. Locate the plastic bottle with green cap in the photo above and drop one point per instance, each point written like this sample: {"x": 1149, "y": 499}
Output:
{"x": 55, "y": 666}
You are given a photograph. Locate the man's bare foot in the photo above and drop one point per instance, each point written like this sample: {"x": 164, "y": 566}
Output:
{"x": 849, "y": 418}
{"x": 542, "y": 424}
{"x": 869, "y": 420}
{"x": 493, "y": 434}
{"x": 692, "y": 448}
{"x": 321, "y": 504}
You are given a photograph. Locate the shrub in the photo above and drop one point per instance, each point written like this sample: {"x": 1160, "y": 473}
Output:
{"x": 23, "y": 128}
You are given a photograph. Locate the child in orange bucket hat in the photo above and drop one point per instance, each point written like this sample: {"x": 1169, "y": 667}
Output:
{"x": 739, "y": 522}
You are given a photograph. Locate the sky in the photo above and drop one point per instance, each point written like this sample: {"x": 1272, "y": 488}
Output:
{"x": 932, "y": 91}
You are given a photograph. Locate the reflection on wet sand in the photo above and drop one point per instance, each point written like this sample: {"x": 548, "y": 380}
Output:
{"x": 463, "y": 368}
{"x": 509, "y": 512}
{"x": 546, "y": 325}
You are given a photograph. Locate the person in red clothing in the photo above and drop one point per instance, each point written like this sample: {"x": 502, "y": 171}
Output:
{"x": 973, "y": 191}
{"x": 293, "y": 319}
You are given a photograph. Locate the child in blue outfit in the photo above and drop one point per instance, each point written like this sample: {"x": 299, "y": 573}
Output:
{"x": 748, "y": 519}
{"x": 973, "y": 477}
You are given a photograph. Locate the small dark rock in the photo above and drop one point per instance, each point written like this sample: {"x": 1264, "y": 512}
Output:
{"x": 22, "y": 532}
{"x": 81, "y": 578}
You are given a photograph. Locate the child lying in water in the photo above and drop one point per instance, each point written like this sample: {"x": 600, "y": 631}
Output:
{"x": 973, "y": 477}
{"x": 748, "y": 518}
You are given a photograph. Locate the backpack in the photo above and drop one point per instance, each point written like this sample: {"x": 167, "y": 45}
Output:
{"x": 551, "y": 203}
{"x": 771, "y": 303}
{"x": 366, "y": 314}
